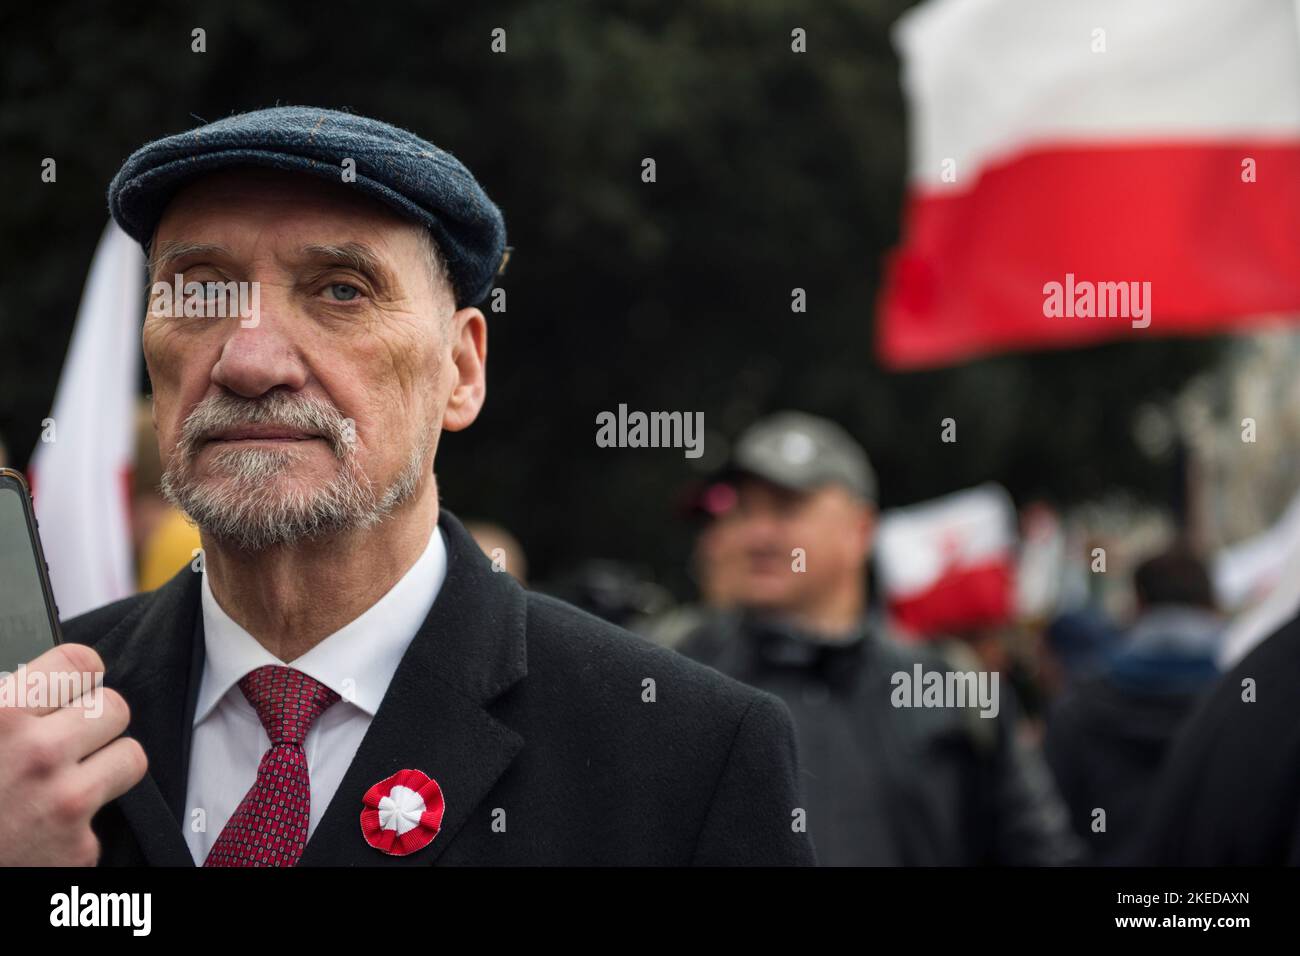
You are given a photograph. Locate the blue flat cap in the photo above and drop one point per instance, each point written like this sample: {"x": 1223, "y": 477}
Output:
{"x": 415, "y": 178}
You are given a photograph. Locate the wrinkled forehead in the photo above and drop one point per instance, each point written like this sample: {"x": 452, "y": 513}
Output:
{"x": 256, "y": 201}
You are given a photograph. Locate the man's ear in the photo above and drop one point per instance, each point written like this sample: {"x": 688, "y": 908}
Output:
{"x": 469, "y": 363}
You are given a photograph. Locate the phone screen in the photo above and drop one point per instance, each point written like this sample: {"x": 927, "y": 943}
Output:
{"x": 25, "y": 629}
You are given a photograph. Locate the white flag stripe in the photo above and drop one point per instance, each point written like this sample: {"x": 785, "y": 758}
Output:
{"x": 79, "y": 491}
{"x": 1249, "y": 628}
{"x": 1248, "y": 569}
{"x": 920, "y": 544}
{"x": 987, "y": 79}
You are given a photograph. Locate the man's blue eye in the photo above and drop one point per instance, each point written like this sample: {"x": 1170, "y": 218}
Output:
{"x": 343, "y": 292}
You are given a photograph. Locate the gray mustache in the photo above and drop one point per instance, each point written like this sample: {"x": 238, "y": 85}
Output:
{"x": 312, "y": 415}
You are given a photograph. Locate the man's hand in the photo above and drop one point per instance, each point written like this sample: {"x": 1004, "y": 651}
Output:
{"x": 61, "y": 760}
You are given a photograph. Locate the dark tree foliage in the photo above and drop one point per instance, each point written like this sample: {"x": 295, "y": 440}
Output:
{"x": 775, "y": 171}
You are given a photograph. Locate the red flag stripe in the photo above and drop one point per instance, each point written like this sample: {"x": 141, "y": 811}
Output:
{"x": 1220, "y": 253}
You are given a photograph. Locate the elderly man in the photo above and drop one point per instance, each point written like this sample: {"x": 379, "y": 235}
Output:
{"x": 342, "y": 678}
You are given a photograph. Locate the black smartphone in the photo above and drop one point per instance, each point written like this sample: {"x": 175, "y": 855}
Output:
{"x": 29, "y": 618}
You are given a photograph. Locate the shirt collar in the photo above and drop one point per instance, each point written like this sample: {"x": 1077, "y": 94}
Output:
{"x": 357, "y": 662}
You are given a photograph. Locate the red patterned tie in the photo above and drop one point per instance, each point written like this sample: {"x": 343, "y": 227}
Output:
{"x": 269, "y": 828}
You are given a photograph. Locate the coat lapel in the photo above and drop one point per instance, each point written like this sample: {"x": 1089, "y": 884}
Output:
{"x": 434, "y": 718}
{"x": 144, "y": 656}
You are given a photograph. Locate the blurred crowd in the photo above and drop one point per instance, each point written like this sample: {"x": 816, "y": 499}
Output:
{"x": 1090, "y": 704}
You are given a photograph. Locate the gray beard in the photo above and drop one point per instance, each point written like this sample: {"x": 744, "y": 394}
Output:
{"x": 243, "y": 508}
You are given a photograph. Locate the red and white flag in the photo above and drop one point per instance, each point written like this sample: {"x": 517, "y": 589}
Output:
{"x": 81, "y": 470}
{"x": 947, "y": 565}
{"x": 1089, "y": 171}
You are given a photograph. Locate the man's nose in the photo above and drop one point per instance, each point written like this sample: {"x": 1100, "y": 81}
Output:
{"x": 759, "y": 527}
{"x": 259, "y": 354}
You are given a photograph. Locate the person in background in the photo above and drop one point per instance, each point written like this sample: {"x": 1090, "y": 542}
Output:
{"x": 716, "y": 557}
{"x": 620, "y": 592}
{"x": 714, "y": 565}
{"x": 1108, "y": 736}
{"x": 502, "y": 547}
{"x": 884, "y": 785}
{"x": 1076, "y": 648}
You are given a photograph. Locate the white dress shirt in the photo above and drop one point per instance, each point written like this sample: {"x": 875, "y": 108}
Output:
{"x": 357, "y": 662}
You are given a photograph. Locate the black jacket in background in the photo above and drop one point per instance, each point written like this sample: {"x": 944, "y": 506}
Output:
{"x": 508, "y": 700}
{"x": 1230, "y": 792}
{"x": 895, "y": 786}
{"x": 1108, "y": 736}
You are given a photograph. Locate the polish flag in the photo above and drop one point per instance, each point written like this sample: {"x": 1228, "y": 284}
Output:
{"x": 80, "y": 472}
{"x": 1066, "y": 156}
{"x": 947, "y": 565}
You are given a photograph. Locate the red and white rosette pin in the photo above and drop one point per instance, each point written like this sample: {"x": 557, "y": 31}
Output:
{"x": 403, "y": 813}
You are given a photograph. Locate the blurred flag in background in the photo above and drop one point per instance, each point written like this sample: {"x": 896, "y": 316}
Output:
{"x": 948, "y": 565}
{"x": 80, "y": 471}
{"x": 1054, "y": 141}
